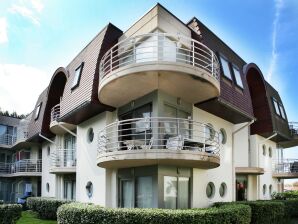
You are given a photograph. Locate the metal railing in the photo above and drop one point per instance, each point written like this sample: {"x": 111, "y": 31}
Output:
{"x": 7, "y": 139}
{"x": 286, "y": 166}
{"x": 158, "y": 133}
{"x": 55, "y": 113}
{"x": 21, "y": 166}
{"x": 293, "y": 128}
{"x": 159, "y": 47}
{"x": 63, "y": 158}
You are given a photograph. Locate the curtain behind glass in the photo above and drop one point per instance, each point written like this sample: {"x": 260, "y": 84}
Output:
{"x": 144, "y": 194}
{"x": 170, "y": 192}
{"x": 183, "y": 192}
{"x": 127, "y": 194}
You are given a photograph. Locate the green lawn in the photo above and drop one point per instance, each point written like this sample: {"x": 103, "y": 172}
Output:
{"x": 29, "y": 217}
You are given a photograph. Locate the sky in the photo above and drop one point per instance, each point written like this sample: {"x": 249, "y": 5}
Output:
{"x": 38, "y": 36}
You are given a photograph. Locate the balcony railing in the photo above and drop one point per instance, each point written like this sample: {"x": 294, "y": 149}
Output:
{"x": 286, "y": 166}
{"x": 159, "y": 134}
{"x": 293, "y": 128}
{"x": 64, "y": 158}
{"x": 159, "y": 47}
{"x": 7, "y": 139}
{"x": 55, "y": 113}
{"x": 21, "y": 166}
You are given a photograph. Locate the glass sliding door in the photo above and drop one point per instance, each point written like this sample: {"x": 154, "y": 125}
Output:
{"x": 69, "y": 152}
{"x": 144, "y": 192}
{"x": 183, "y": 192}
{"x": 127, "y": 199}
{"x": 69, "y": 189}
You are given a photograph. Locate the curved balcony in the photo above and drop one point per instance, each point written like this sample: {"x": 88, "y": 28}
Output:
{"x": 63, "y": 161}
{"x": 25, "y": 167}
{"x": 55, "y": 125}
{"x": 286, "y": 169}
{"x": 177, "y": 65}
{"x": 166, "y": 141}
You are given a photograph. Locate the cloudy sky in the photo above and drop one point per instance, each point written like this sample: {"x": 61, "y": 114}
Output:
{"x": 38, "y": 36}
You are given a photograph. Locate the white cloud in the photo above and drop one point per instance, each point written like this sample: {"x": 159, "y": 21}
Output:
{"x": 29, "y": 9}
{"x": 20, "y": 87}
{"x": 3, "y": 30}
{"x": 274, "y": 55}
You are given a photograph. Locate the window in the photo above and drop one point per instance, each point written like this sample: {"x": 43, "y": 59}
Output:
{"x": 48, "y": 187}
{"x": 225, "y": 67}
{"x": 37, "y": 111}
{"x": 209, "y": 132}
{"x": 264, "y": 189}
{"x": 176, "y": 192}
{"x": 223, "y": 189}
{"x": 270, "y": 152}
{"x": 90, "y": 135}
{"x": 279, "y": 108}
{"x": 69, "y": 189}
{"x": 49, "y": 150}
{"x": 276, "y": 107}
{"x": 237, "y": 77}
{"x": 144, "y": 192}
{"x": 222, "y": 136}
{"x": 282, "y": 110}
{"x": 127, "y": 193}
{"x": 89, "y": 189}
{"x": 77, "y": 76}
{"x": 210, "y": 190}
{"x": 264, "y": 150}
{"x": 270, "y": 189}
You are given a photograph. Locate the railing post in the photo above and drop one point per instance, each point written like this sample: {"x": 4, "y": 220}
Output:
{"x": 193, "y": 53}
{"x": 111, "y": 60}
{"x": 134, "y": 51}
{"x": 212, "y": 63}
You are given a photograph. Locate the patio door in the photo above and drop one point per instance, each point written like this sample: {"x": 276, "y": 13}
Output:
{"x": 69, "y": 152}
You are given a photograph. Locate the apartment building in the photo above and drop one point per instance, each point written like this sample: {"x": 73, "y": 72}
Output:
{"x": 164, "y": 114}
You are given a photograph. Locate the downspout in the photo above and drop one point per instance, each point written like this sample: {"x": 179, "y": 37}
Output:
{"x": 66, "y": 129}
{"x": 233, "y": 157}
{"x": 258, "y": 162}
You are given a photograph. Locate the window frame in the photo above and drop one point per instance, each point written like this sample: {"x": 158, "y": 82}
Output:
{"x": 234, "y": 67}
{"x": 222, "y": 57}
{"x": 80, "y": 67}
{"x": 37, "y": 111}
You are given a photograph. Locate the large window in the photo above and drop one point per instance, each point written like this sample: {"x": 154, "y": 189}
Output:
{"x": 37, "y": 111}
{"x": 279, "y": 108}
{"x": 225, "y": 67}
{"x": 77, "y": 76}
{"x": 69, "y": 189}
{"x": 176, "y": 192}
{"x": 237, "y": 77}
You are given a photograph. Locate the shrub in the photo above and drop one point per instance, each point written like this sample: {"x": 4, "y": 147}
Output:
{"x": 10, "y": 213}
{"x": 285, "y": 195}
{"x": 1, "y": 202}
{"x": 291, "y": 207}
{"x": 45, "y": 207}
{"x": 263, "y": 212}
{"x": 92, "y": 214}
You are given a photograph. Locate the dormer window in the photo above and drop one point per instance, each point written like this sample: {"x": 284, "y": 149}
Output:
{"x": 237, "y": 76}
{"x": 279, "y": 108}
{"x": 37, "y": 111}
{"x": 77, "y": 76}
{"x": 225, "y": 67}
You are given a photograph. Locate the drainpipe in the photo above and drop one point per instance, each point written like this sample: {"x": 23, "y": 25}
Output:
{"x": 258, "y": 162}
{"x": 66, "y": 129}
{"x": 233, "y": 157}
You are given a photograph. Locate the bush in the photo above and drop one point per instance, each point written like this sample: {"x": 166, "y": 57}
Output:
{"x": 45, "y": 207}
{"x": 285, "y": 195}
{"x": 92, "y": 214}
{"x": 291, "y": 207}
{"x": 10, "y": 213}
{"x": 263, "y": 212}
{"x": 1, "y": 202}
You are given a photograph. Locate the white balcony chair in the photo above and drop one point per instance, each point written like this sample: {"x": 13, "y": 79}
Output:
{"x": 175, "y": 143}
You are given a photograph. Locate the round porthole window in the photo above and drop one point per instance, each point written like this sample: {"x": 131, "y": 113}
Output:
{"x": 210, "y": 190}
{"x": 222, "y": 136}
{"x": 89, "y": 189}
{"x": 264, "y": 150}
{"x": 90, "y": 135}
{"x": 209, "y": 131}
{"x": 270, "y": 189}
{"x": 223, "y": 189}
{"x": 48, "y": 187}
{"x": 270, "y": 152}
{"x": 264, "y": 189}
{"x": 49, "y": 150}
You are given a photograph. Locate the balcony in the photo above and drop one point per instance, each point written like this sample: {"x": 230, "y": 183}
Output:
{"x": 25, "y": 167}
{"x": 7, "y": 140}
{"x": 166, "y": 141}
{"x": 177, "y": 65}
{"x": 63, "y": 161}
{"x": 286, "y": 169}
{"x": 55, "y": 125}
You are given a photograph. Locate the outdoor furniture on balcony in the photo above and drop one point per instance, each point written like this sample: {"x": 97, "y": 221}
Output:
{"x": 286, "y": 169}
{"x": 158, "y": 140}
{"x": 25, "y": 167}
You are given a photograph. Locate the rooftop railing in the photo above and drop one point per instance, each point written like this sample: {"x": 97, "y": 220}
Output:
{"x": 55, "y": 113}
{"x": 21, "y": 166}
{"x": 159, "y": 47}
{"x": 63, "y": 158}
{"x": 293, "y": 128}
{"x": 286, "y": 166}
{"x": 158, "y": 133}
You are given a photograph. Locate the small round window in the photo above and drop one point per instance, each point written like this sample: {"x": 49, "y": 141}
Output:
{"x": 209, "y": 131}
{"x": 210, "y": 190}
{"x": 49, "y": 150}
{"x": 222, "y": 136}
{"x": 264, "y": 150}
{"x": 48, "y": 187}
{"x": 223, "y": 189}
{"x": 264, "y": 189}
{"x": 270, "y": 152}
{"x": 90, "y": 135}
{"x": 89, "y": 189}
{"x": 270, "y": 189}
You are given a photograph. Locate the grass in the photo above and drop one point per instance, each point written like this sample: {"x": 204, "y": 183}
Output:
{"x": 30, "y": 217}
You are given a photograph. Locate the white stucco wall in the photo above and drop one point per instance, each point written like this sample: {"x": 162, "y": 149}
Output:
{"x": 241, "y": 145}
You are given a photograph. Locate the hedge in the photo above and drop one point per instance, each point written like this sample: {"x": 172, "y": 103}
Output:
{"x": 10, "y": 213}
{"x": 263, "y": 212}
{"x": 92, "y": 214}
{"x": 285, "y": 195}
{"x": 1, "y": 202}
{"x": 291, "y": 207}
{"x": 45, "y": 207}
